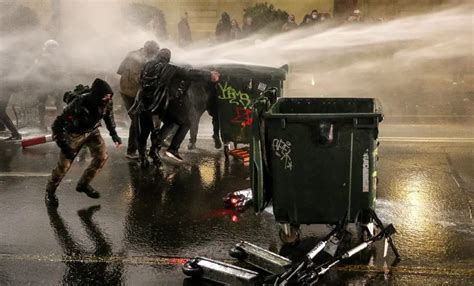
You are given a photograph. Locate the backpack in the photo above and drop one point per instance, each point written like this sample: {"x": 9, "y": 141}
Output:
{"x": 80, "y": 89}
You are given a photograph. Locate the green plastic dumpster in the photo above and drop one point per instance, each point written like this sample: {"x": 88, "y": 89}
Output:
{"x": 237, "y": 89}
{"x": 315, "y": 159}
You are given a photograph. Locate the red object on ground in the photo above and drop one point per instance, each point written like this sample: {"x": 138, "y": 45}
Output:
{"x": 242, "y": 154}
{"x": 27, "y": 142}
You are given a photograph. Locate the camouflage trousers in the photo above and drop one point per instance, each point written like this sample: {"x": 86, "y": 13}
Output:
{"x": 96, "y": 145}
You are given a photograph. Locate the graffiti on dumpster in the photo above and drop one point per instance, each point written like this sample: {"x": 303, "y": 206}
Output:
{"x": 243, "y": 116}
{"x": 234, "y": 96}
{"x": 282, "y": 150}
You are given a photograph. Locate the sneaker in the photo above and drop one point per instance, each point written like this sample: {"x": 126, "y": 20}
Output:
{"x": 174, "y": 155}
{"x": 132, "y": 156}
{"x": 88, "y": 190}
{"x": 51, "y": 200}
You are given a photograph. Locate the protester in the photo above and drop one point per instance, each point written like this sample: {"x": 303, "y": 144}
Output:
{"x": 129, "y": 71}
{"x": 355, "y": 17}
{"x": 235, "y": 32}
{"x": 7, "y": 88}
{"x": 315, "y": 16}
{"x": 184, "y": 31}
{"x": 6, "y": 91}
{"x": 163, "y": 92}
{"x": 248, "y": 28}
{"x": 306, "y": 21}
{"x": 223, "y": 28}
{"x": 78, "y": 126}
{"x": 290, "y": 24}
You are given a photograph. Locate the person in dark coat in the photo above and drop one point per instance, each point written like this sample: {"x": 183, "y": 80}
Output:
{"x": 163, "y": 92}
{"x": 129, "y": 71}
{"x": 184, "y": 31}
{"x": 78, "y": 126}
{"x": 224, "y": 28}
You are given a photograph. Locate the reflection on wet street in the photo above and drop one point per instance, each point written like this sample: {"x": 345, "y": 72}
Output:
{"x": 93, "y": 271}
{"x": 148, "y": 222}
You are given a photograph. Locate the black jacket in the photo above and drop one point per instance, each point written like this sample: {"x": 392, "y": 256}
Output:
{"x": 85, "y": 112}
{"x": 161, "y": 82}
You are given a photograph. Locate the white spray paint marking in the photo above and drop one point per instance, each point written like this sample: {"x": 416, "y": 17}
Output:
{"x": 282, "y": 150}
{"x": 365, "y": 172}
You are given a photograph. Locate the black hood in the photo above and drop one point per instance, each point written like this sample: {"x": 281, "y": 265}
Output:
{"x": 99, "y": 89}
{"x": 164, "y": 55}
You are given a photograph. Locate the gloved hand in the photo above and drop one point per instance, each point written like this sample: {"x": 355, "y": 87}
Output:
{"x": 117, "y": 140}
{"x": 215, "y": 75}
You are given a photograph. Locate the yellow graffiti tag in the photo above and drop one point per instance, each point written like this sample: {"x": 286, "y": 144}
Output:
{"x": 234, "y": 96}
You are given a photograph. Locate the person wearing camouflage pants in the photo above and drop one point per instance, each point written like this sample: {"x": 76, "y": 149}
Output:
{"x": 77, "y": 127}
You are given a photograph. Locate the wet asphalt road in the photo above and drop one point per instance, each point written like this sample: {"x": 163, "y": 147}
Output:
{"x": 148, "y": 222}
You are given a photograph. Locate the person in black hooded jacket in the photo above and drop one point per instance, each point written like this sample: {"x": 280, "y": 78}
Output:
{"x": 163, "y": 92}
{"x": 78, "y": 126}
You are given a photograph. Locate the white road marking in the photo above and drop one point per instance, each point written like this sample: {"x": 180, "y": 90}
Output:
{"x": 428, "y": 139}
{"x": 470, "y": 209}
{"x": 23, "y": 174}
{"x": 456, "y": 181}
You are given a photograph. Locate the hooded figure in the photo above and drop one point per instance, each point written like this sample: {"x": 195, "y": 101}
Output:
{"x": 77, "y": 126}
{"x": 162, "y": 92}
{"x": 129, "y": 70}
{"x": 85, "y": 112}
{"x": 223, "y": 28}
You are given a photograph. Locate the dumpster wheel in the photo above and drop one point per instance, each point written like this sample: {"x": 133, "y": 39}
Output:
{"x": 238, "y": 253}
{"x": 292, "y": 237}
{"x": 191, "y": 268}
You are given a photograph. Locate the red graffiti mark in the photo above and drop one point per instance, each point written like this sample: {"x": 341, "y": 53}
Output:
{"x": 243, "y": 116}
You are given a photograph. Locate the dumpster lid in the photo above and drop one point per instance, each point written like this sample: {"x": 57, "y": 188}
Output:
{"x": 254, "y": 71}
